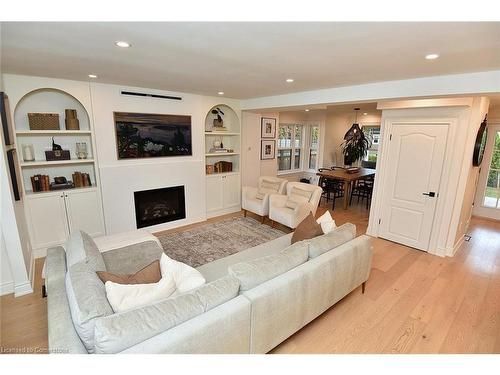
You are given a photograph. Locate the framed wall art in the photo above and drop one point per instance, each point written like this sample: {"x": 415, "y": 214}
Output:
{"x": 141, "y": 135}
{"x": 268, "y": 127}
{"x": 267, "y": 149}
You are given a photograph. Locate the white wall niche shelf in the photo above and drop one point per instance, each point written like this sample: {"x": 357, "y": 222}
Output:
{"x": 71, "y": 209}
{"x": 44, "y": 163}
{"x": 29, "y": 133}
{"x": 223, "y": 190}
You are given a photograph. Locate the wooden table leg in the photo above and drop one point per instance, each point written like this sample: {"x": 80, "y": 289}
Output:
{"x": 347, "y": 192}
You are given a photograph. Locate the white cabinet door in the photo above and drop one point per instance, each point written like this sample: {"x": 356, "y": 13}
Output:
{"x": 231, "y": 190}
{"x": 214, "y": 193}
{"x": 47, "y": 220}
{"x": 84, "y": 211}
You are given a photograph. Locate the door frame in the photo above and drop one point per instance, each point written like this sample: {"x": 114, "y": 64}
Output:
{"x": 479, "y": 209}
{"x": 444, "y": 205}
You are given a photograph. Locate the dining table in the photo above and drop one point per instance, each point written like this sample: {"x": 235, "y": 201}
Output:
{"x": 347, "y": 178}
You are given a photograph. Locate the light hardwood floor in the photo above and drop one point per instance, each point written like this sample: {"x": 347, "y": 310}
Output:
{"x": 414, "y": 302}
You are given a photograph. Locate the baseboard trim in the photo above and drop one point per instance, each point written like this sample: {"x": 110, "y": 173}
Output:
{"x": 22, "y": 289}
{"x": 7, "y": 288}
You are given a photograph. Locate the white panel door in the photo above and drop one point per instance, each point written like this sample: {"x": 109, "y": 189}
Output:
{"x": 84, "y": 211}
{"x": 47, "y": 219}
{"x": 214, "y": 193}
{"x": 231, "y": 190}
{"x": 416, "y": 155}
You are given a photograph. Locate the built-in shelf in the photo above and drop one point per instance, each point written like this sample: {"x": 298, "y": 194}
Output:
{"x": 44, "y": 163}
{"x": 223, "y": 154}
{"x": 53, "y": 132}
{"x": 221, "y": 173}
{"x": 30, "y": 192}
{"x": 221, "y": 133}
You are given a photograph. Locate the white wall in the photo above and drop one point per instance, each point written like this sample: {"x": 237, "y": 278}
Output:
{"x": 251, "y": 165}
{"x": 15, "y": 255}
{"x": 120, "y": 178}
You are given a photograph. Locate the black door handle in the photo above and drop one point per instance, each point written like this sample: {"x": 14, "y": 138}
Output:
{"x": 431, "y": 194}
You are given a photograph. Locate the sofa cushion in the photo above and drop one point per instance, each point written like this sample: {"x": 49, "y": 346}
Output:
{"x": 336, "y": 237}
{"x": 81, "y": 247}
{"x": 218, "y": 268}
{"x": 120, "y": 331}
{"x": 147, "y": 275}
{"x": 87, "y": 301}
{"x": 307, "y": 229}
{"x": 257, "y": 271}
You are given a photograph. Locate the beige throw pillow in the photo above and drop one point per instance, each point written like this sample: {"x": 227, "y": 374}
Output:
{"x": 307, "y": 229}
{"x": 147, "y": 275}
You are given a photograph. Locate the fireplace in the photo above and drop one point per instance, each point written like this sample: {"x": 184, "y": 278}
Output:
{"x": 159, "y": 206}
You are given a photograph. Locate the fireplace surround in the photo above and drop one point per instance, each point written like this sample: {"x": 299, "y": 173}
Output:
{"x": 158, "y": 206}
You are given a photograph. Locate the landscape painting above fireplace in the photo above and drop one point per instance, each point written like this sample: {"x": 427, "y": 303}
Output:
{"x": 140, "y": 135}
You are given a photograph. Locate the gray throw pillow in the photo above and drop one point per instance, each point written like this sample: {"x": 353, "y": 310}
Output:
{"x": 333, "y": 239}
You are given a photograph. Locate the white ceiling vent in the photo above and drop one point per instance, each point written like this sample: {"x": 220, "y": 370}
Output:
{"x": 147, "y": 95}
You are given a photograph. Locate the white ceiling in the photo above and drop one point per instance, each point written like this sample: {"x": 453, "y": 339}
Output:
{"x": 247, "y": 60}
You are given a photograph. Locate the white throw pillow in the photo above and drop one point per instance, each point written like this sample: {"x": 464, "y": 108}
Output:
{"x": 185, "y": 277}
{"x": 327, "y": 223}
{"x": 124, "y": 297}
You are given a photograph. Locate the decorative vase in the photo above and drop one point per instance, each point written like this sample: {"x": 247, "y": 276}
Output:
{"x": 28, "y": 152}
{"x": 72, "y": 122}
{"x": 81, "y": 150}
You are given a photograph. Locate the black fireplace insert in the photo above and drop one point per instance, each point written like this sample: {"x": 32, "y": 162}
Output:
{"x": 159, "y": 206}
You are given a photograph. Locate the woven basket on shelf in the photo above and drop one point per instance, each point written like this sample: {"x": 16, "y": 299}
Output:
{"x": 43, "y": 121}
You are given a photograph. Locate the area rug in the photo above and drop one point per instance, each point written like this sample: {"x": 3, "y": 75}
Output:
{"x": 213, "y": 241}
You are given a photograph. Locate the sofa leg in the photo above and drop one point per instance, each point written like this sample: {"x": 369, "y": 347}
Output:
{"x": 262, "y": 219}
{"x": 244, "y": 213}
{"x": 363, "y": 287}
{"x": 272, "y": 223}
{"x": 44, "y": 291}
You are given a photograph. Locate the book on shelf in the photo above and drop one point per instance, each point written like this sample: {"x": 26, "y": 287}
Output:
{"x": 40, "y": 183}
{"x": 81, "y": 179}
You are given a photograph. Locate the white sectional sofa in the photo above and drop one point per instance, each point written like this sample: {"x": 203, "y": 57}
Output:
{"x": 252, "y": 301}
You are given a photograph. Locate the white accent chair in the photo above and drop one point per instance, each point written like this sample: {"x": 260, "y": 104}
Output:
{"x": 250, "y": 201}
{"x": 280, "y": 212}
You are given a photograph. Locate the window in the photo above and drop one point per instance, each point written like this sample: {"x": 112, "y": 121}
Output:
{"x": 373, "y": 132}
{"x": 298, "y": 147}
{"x": 492, "y": 192}
{"x": 313, "y": 147}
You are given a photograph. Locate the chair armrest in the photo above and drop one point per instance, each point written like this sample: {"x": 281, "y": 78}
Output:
{"x": 249, "y": 191}
{"x": 302, "y": 211}
{"x": 277, "y": 200}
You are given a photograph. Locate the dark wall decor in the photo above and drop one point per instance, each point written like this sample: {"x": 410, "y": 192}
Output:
{"x": 480, "y": 144}
{"x": 140, "y": 135}
{"x": 5, "y": 118}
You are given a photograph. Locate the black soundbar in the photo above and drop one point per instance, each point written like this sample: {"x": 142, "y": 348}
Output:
{"x": 131, "y": 93}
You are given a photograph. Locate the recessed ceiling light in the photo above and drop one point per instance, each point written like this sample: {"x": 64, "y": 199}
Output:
{"x": 289, "y": 80}
{"x": 431, "y": 56}
{"x": 92, "y": 76}
{"x": 306, "y": 110}
{"x": 221, "y": 93}
{"x": 122, "y": 44}
{"x": 365, "y": 113}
